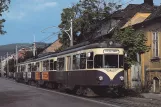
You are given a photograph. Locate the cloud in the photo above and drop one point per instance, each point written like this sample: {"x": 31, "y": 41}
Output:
{"x": 43, "y": 6}
{"x": 27, "y": 8}
{"x": 15, "y": 15}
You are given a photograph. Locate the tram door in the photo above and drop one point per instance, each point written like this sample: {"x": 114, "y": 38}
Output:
{"x": 68, "y": 63}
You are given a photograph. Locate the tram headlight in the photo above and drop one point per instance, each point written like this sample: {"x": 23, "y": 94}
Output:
{"x": 100, "y": 78}
{"x": 121, "y": 78}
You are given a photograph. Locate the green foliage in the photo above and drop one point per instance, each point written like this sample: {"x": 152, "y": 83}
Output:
{"x": 3, "y": 7}
{"x": 86, "y": 14}
{"x": 133, "y": 42}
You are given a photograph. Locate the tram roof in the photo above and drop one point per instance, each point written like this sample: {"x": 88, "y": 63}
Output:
{"x": 87, "y": 45}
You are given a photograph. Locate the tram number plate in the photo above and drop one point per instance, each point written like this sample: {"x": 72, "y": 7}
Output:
{"x": 111, "y": 51}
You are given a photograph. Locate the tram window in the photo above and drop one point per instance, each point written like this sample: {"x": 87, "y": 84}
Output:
{"x": 22, "y": 68}
{"x": 46, "y": 65}
{"x": 33, "y": 67}
{"x": 111, "y": 61}
{"x": 29, "y": 68}
{"x": 90, "y": 60}
{"x": 37, "y": 66}
{"x": 83, "y": 61}
{"x": 121, "y": 61}
{"x": 60, "y": 64}
{"x": 51, "y": 65}
{"x": 55, "y": 63}
{"x": 19, "y": 69}
{"x": 76, "y": 61}
{"x": 89, "y": 64}
{"x": 98, "y": 61}
{"x": 90, "y": 56}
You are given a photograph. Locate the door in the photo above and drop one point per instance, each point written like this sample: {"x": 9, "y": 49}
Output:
{"x": 68, "y": 63}
{"x": 156, "y": 88}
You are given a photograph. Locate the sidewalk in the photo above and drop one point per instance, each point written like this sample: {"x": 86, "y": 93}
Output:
{"x": 151, "y": 96}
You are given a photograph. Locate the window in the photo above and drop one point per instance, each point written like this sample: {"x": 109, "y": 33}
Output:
{"x": 60, "y": 64}
{"x": 90, "y": 60}
{"x": 45, "y": 65}
{"x": 33, "y": 67}
{"x": 83, "y": 61}
{"x": 51, "y": 65}
{"x": 55, "y": 63}
{"x": 29, "y": 68}
{"x": 76, "y": 61}
{"x": 111, "y": 61}
{"x": 19, "y": 69}
{"x": 37, "y": 66}
{"x": 155, "y": 44}
{"x": 98, "y": 61}
{"x": 22, "y": 68}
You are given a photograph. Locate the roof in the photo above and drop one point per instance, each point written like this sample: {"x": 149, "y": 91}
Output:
{"x": 122, "y": 17}
{"x": 138, "y": 18}
{"x": 155, "y": 14}
{"x": 54, "y": 46}
{"x": 125, "y": 14}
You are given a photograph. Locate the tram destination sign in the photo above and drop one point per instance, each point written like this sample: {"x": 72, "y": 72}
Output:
{"x": 111, "y": 51}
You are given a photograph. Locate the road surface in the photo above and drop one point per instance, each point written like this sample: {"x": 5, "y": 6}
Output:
{"x": 14, "y": 94}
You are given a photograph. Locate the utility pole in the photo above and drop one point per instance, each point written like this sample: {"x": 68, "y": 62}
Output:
{"x": 70, "y": 35}
{"x": 7, "y": 66}
{"x": 16, "y": 56}
{"x": 34, "y": 47}
{"x": 1, "y": 65}
{"x": 71, "y": 32}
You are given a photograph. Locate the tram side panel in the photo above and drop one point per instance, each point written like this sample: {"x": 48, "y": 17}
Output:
{"x": 87, "y": 78}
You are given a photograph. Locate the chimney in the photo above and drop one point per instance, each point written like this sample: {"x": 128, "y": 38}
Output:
{"x": 150, "y": 2}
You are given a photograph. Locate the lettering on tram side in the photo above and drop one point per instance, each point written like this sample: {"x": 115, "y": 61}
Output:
{"x": 37, "y": 75}
{"x": 45, "y": 75}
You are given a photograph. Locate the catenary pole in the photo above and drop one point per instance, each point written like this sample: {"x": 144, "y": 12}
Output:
{"x": 71, "y": 33}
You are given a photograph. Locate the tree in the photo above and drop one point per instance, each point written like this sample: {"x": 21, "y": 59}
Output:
{"x": 133, "y": 42}
{"x": 3, "y": 7}
{"x": 86, "y": 14}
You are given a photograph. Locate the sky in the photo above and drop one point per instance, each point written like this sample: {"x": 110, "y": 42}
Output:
{"x": 27, "y": 18}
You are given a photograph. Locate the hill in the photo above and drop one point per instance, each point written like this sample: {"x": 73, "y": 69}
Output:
{"x": 11, "y": 48}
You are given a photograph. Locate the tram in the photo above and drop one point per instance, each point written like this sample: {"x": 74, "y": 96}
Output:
{"x": 97, "y": 67}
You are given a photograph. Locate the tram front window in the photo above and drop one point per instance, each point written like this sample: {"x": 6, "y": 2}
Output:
{"x": 111, "y": 61}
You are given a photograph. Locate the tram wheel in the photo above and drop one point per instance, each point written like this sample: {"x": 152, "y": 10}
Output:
{"x": 79, "y": 91}
{"x": 61, "y": 88}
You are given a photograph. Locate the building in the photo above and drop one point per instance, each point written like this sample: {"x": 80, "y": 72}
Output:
{"x": 4, "y": 62}
{"x": 133, "y": 14}
{"x": 146, "y": 17}
{"x": 53, "y": 47}
{"x": 151, "y": 61}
